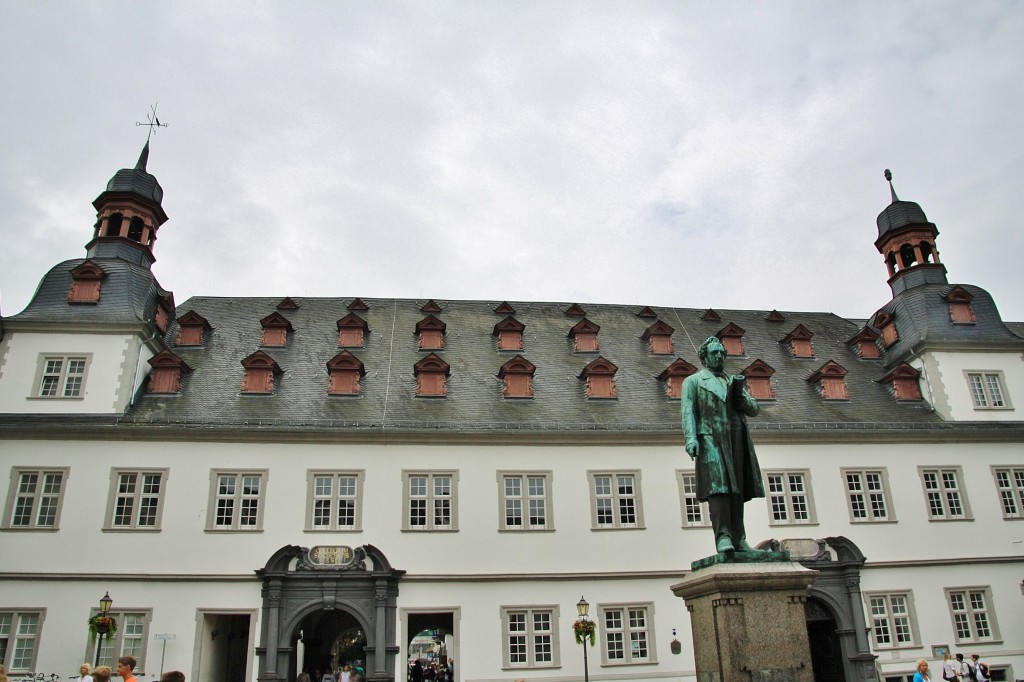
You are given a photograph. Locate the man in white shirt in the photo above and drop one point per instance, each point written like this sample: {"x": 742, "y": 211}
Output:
{"x": 980, "y": 668}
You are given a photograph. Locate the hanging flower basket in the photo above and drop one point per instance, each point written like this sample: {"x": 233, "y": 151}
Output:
{"x": 101, "y": 625}
{"x": 584, "y": 630}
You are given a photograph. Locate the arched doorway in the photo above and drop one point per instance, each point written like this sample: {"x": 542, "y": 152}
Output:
{"x": 826, "y": 651}
{"x": 324, "y": 604}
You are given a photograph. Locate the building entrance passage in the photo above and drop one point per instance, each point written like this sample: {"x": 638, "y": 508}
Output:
{"x": 326, "y": 606}
{"x": 431, "y": 639}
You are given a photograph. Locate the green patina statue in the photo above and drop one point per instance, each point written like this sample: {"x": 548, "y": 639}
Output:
{"x": 715, "y": 408}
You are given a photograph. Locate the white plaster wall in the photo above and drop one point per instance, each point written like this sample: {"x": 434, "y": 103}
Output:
{"x": 951, "y": 370}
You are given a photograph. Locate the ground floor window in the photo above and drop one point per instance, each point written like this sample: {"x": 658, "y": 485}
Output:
{"x": 19, "y": 639}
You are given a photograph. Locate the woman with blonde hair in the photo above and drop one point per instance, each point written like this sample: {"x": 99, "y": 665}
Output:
{"x": 922, "y": 671}
{"x": 3, "y": 674}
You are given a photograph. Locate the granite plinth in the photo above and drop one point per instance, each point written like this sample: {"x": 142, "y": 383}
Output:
{"x": 752, "y": 557}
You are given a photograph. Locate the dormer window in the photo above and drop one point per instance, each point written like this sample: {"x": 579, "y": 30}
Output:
{"x": 430, "y": 332}
{"x": 865, "y": 344}
{"x": 431, "y": 376}
{"x": 164, "y": 311}
{"x": 192, "y": 328}
{"x": 659, "y": 338}
{"x": 517, "y": 377}
{"x": 960, "y": 310}
{"x": 260, "y": 370}
{"x": 584, "y": 336}
{"x": 647, "y": 313}
{"x": 731, "y": 336}
{"x": 85, "y": 284}
{"x": 599, "y": 376}
{"x": 710, "y": 316}
{"x": 886, "y": 324}
{"x": 166, "y": 374}
{"x": 510, "y": 334}
{"x": 504, "y": 309}
{"x": 357, "y": 305}
{"x": 674, "y": 376}
{"x": 345, "y": 370}
{"x": 904, "y": 382}
{"x": 759, "y": 380}
{"x": 430, "y": 307}
{"x": 276, "y": 328}
{"x": 830, "y": 380}
{"x": 799, "y": 342}
{"x": 352, "y": 331}
{"x": 575, "y": 310}
{"x": 775, "y": 316}
{"x": 287, "y": 304}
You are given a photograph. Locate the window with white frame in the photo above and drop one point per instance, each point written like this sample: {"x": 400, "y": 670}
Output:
{"x": 615, "y": 499}
{"x": 944, "y": 494}
{"x": 695, "y": 513}
{"x": 525, "y": 499}
{"x": 61, "y": 376}
{"x": 789, "y": 498}
{"x": 35, "y": 499}
{"x": 893, "y": 623}
{"x": 335, "y": 500}
{"x": 867, "y": 495}
{"x": 1010, "y": 483}
{"x": 136, "y": 499}
{"x": 430, "y": 500}
{"x": 626, "y": 634}
{"x": 530, "y": 636}
{"x": 237, "y": 500}
{"x": 129, "y": 640}
{"x": 987, "y": 390}
{"x": 19, "y": 638}
{"x": 973, "y": 619}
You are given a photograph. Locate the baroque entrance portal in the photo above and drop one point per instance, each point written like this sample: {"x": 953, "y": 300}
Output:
{"x": 352, "y": 587}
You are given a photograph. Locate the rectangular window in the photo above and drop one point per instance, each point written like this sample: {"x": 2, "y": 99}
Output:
{"x": 973, "y": 620}
{"x": 987, "y": 390}
{"x": 695, "y": 512}
{"x": 789, "y": 498}
{"x": 525, "y": 499}
{"x": 129, "y": 640}
{"x": 136, "y": 499}
{"x": 627, "y": 634}
{"x": 892, "y": 620}
{"x": 19, "y": 639}
{"x": 1010, "y": 484}
{"x": 867, "y": 495}
{"x": 530, "y": 636}
{"x": 335, "y": 500}
{"x": 35, "y": 499}
{"x": 430, "y": 500}
{"x": 615, "y": 500}
{"x": 237, "y": 500}
{"x": 61, "y": 376}
{"x": 946, "y": 500}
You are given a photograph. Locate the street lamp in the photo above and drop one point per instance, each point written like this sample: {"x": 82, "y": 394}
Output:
{"x": 102, "y": 627}
{"x": 583, "y": 608}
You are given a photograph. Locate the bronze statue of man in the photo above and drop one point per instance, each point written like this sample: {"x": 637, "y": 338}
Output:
{"x": 715, "y": 408}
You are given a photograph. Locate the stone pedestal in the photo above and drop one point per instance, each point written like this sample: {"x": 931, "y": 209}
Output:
{"x": 748, "y": 621}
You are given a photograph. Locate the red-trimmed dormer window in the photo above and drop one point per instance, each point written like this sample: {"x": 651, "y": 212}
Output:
{"x": 575, "y": 310}
{"x": 647, "y": 313}
{"x": 960, "y": 310}
{"x": 430, "y": 332}
{"x": 86, "y": 281}
{"x": 830, "y": 380}
{"x": 166, "y": 374}
{"x": 260, "y": 370}
{"x": 674, "y": 375}
{"x": 775, "y": 316}
{"x": 517, "y": 378}
{"x": 600, "y": 378}
{"x": 759, "y": 380}
{"x": 865, "y": 344}
{"x": 276, "y": 328}
{"x": 431, "y": 376}
{"x": 731, "y": 336}
{"x": 504, "y": 309}
{"x": 885, "y": 323}
{"x": 352, "y": 331}
{"x": 904, "y": 382}
{"x": 192, "y": 328}
{"x": 430, "y": 307}
{"x": 510, "y": 334}
{"x": 799, "y": 342}
{"x": 287, "y": 304}
{"x": 164, "y": 311}
{"x": 357, "y": 305}
{"x": 711, "y": 315}
{"x": 346, "y": 371}
{"x": 584, "y": 336}
{"x": 659, "y": 338}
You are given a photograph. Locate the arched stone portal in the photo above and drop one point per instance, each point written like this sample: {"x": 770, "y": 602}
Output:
{"x": 328, "y": 590}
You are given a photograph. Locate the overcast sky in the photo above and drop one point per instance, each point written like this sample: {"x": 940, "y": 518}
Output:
{"x": 692, "y": 154}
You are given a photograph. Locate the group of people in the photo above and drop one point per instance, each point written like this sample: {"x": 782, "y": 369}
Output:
{"x": 956, "y": 669}
{"x": 125, "y": 669}
{"x": 346, "y": 673}
{"x": 432, "y": 672}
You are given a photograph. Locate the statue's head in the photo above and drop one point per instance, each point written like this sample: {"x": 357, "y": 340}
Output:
{"x": 706, "y": 350}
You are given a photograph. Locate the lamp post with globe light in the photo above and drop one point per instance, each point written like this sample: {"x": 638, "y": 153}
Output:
{"x": 102, "y": 624}
{"x": 584, "y": 629}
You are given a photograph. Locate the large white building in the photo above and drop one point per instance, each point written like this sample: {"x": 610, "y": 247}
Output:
{"x": 264, "y": 483}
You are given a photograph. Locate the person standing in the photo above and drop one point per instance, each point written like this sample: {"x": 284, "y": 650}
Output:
{"x": 950, "y": 669}
{"x": 83, "y": 673}
{"x": 922, "y": 671}
{"x": 981, "y": 669}
{"x": 126, "y": 668}
{"x": 962, "y": 669}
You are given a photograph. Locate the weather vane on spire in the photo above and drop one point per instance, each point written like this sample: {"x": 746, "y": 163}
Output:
{"x": 153, "y": 123}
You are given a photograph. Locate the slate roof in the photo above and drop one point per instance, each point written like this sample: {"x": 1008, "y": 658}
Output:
{"x": 211, "y": 394}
